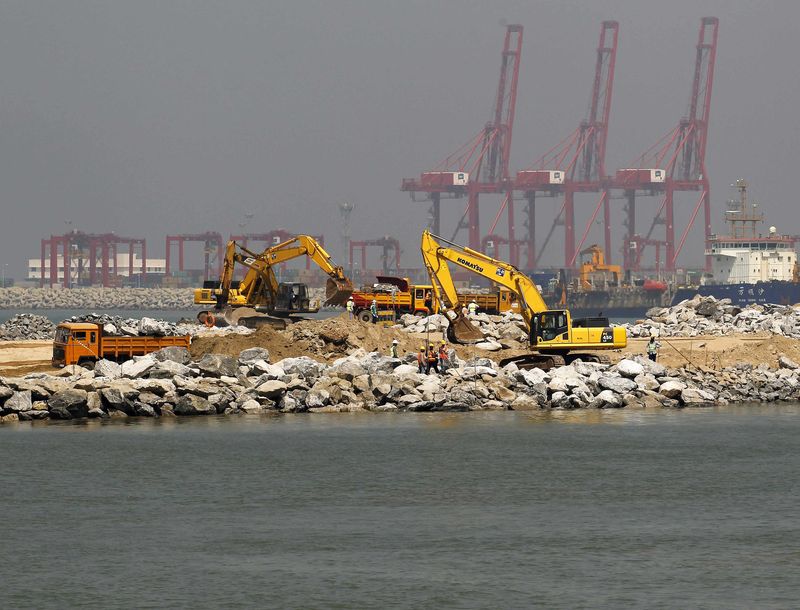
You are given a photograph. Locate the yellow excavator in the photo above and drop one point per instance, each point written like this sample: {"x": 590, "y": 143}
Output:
{"x": 260, "y": 298}
{"x": 554, "y": 335}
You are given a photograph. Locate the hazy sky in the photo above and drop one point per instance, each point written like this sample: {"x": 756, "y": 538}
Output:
{"x": 147, "y": 118}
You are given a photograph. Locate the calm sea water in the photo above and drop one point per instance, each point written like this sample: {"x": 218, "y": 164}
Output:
{"x": 691, "y": 509}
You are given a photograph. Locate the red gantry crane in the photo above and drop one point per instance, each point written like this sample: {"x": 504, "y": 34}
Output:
{"x": 677, "y": 162}
{"x": 576, "y": 164}
{"x": 390, "y": 252}
{"x": 481, "y": 165}
{"x": 213, "y": 252}
{"x": 89, "y": 257}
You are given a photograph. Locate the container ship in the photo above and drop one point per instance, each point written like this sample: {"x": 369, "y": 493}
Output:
{"x": 747, "y": 267}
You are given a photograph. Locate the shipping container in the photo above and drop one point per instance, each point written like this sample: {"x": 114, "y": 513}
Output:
{"x": 532, "y": 178}
{"x": 445, "y": 179}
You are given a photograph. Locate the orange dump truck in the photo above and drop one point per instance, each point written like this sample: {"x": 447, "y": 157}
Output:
{"x": 79, "y": 342}
{"x": 400, "y": 295}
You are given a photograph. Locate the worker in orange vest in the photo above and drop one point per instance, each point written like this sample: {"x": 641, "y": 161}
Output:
{"x": 433, "y": 360}
{"x": 444, "y": 359}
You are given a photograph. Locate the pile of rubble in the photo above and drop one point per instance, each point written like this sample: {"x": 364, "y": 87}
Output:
{"x": 97, "y": 298}
{"x": 171, "y": 383}
{"x": 498, "y": 330}
{"x": 116, "y": 326}
{"x": 26, "y": 326}
{"x": 709, "y": 316}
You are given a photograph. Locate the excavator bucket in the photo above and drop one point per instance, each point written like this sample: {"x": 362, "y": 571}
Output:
{"x": 338, "y": 291}
{"x": 462, "y": 331}
{"x": 249, "y": 317}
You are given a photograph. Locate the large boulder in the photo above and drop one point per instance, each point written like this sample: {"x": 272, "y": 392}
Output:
{"x": 107, "y": 368}
{"x": 629, "y": 368}
{"x": 620, "y": 385}
{"x": 672, "y": 388}
{"x": 317, "y": 398}
{"x": 787, "y": 363}
{"x": 266, "y": 370}
{"x": 524, "y": 402}
{"x": 73, "y": 401}
{"x": 114, "y": 398}
{"x": 18, "y": 402}
{"x": 304, "y": 366}
{"x": 173, "y": 353}
{"x": 138, "y": 366}
{"x": 252, "y": 355}
{"x": 695, "y": 397}
{"x": 347, "y": 370}
{"x": 216, "y": 365}
{"x": 191, "y": 404}
{"x": 168, "y": 369}
{"x": 607, "y": 399}
{"x": 272, "y": 389}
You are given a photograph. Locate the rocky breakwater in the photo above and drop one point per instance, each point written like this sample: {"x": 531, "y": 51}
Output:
{"x": 170, "y": 383}
{"x": 97, "y": 298}
{"x": 708, "y": 316}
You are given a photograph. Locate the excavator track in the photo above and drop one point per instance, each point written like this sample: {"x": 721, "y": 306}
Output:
{"x": 535, "y": 361}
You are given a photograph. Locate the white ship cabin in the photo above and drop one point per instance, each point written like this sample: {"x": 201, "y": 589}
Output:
{"x": 737, "y": 260}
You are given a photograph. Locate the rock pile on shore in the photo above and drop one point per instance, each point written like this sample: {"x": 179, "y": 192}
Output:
{"x": 171, "y": 383}
{"x": 498, "y": 330}
{"x": 26, "y": 326}
{"x": 97, "y": 298}
{"x": 709, "y": 316}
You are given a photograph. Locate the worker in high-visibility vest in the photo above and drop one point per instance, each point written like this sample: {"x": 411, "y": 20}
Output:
{"x": 472, "y": 308}
{"x": 444, "y": 359}
{"x": 394, "y": 351}
{"x": 373, "y": 310}
{"x": 351, "y": 308}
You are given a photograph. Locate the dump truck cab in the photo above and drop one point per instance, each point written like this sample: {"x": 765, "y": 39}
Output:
{"x": 76, "y": 342}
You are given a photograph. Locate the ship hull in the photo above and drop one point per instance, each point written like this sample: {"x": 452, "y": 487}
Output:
{"x": 742, "y": 295}
{"x": 621, "y": 303}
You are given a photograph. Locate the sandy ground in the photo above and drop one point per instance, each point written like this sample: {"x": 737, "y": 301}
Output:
{"x": 329, "y": 339}
{"x": 22, "y": 357}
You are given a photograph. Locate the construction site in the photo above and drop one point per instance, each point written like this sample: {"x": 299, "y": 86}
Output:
{"x": 600, "y": 264}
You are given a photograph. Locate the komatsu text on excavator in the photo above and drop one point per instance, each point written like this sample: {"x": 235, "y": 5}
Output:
{"x": 554, "y": 334}
{"x": 259, "y": 298}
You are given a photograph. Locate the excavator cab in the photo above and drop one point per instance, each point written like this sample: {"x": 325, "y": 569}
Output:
{"x": 292, "y": 297}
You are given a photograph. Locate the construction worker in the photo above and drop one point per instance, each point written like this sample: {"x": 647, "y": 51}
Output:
{"x": 394, "y": 351}
{"x": 472, "y": 308}
{"x": 373, "y": 310}
{"x": 652, "y": 349}
{"x": 421, "y": 359}
{"x": 351, "y": 308}
{"x": 444, "y": 359}
{"x": 433, "y": 360}
{"x": 429, "y": 302}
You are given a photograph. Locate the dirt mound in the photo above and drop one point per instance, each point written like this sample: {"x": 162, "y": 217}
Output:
{"x": 319, "y": 339}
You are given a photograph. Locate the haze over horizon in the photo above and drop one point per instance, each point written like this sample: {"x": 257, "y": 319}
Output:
{"x": 147, "y": 118}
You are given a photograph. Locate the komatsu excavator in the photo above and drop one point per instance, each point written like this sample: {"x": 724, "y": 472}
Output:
{"x": 259, "y": 298}
{"x": 554, "y": 335}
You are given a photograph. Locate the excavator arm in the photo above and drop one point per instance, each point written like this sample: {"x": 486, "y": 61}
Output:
{"x": 260, "y": 278}
{"x": 437, "y": 258}
{"x": 548, "y": 330}
{"x": 338, "y": 288}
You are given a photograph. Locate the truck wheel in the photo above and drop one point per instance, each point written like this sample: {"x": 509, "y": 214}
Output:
{"x": 364, "y": 315}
